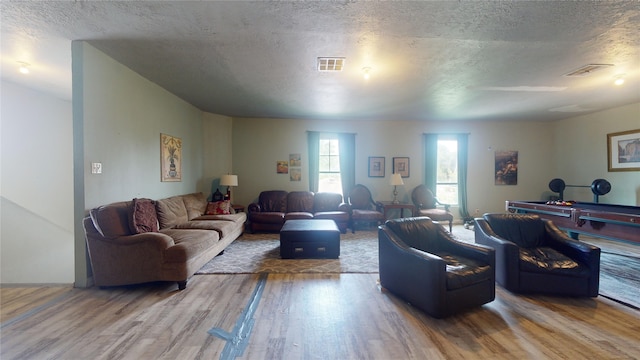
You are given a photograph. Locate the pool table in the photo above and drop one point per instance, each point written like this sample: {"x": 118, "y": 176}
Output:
{"x": 615, "y": 222}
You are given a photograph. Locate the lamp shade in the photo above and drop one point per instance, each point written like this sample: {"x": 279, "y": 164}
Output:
{"x": 396, "y": 179}
{"x": 229, "y": 180}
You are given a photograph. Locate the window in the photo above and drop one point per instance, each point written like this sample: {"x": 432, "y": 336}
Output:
{"x": 329, "y": 179}
{"x": 447, "y": 173}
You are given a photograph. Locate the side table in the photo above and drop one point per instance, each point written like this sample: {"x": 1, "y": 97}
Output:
{"x": 389, "y": 205}
{"x": 238, "y": 208}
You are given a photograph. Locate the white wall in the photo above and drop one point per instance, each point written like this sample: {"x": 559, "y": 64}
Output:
{"x": 36, "y": 187}
{"x": 118, "y": 119}
{"x": 581, "y": 148}
{"x": 259, "y": 143}
{"x": 123, "y": 115}
{"x": 216, "y": 134}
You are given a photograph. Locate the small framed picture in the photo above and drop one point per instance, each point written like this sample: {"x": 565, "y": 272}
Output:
{"x": 401, "y": 166}
{"x": 623, "y": 151}
{"x": 376, "y": 166}
{"x": 282, "y": 166}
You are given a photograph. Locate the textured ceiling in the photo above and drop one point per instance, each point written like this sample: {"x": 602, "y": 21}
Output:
{"x": 429, "y": 60}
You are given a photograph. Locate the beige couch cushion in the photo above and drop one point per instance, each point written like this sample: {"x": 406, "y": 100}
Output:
{"x": 189, "y": 243}
{"x": 223, "y": 228}
{"x": 195, "y": 203}
{"x": 112, "y": 220}
{"x": 237, "y": 217}
{"x": 171, "y": 212}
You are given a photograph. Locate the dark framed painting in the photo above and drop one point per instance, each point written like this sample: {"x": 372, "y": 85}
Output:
{"x": 376, "y": 166}
{"x": 506, "y": 168}
{"x": 401, "y": 166}
{"x": 623, "y": 151}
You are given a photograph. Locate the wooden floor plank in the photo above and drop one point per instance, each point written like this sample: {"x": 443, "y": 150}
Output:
{"x": 304, "y": 316}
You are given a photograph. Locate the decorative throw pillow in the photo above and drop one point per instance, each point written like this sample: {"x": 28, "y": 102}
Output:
{"x": 219, "y": 207}
{"x": 144, "y": 217}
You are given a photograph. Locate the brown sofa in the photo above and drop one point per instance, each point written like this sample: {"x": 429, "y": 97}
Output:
{"x": 274, "y": 207}
{"x": 142, "y": 240}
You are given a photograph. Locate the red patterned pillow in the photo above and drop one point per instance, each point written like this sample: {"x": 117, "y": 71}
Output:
{"x": 219, "y": 207}
{"x": 144, "y": 217}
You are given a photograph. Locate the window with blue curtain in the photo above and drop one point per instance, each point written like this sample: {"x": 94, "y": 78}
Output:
{"x": 331, "y": 162}
{"x": 445, "y": 168}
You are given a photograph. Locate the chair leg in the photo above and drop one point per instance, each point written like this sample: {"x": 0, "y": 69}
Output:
{"x": 182, "y": 284}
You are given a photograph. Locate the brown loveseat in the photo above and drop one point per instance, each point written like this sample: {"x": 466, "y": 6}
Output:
{"x": 274, "y": 207}
{"x": 142, "y": 240}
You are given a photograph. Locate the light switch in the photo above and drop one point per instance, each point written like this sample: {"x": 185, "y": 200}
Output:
{"x": 96, "y": 168}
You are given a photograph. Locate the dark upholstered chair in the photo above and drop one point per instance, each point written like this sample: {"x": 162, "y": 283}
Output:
{"x": 534, "y": 256}
{"x": 363, "y": 208}
{"x": 421, "y": 263}
{"x": 426, "y": 205}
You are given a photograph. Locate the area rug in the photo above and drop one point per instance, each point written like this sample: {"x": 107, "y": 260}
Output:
{"x": 260, "y": 253}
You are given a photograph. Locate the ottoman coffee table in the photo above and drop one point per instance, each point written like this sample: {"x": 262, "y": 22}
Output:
{"x": 309, "y": 239}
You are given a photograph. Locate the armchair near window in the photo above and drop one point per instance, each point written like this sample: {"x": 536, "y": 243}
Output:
{"x": 363, "y": 208}
{"x": 426, "y": 205}
{"x": 533, "y": 255}
{"x": 421, "y": 263}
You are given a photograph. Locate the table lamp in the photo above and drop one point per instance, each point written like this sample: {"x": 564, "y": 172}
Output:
{"x": 229, "y": 181}
{"x": 396, "y": 179}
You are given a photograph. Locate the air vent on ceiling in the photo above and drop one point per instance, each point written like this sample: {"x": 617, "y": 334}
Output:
{"x": 588, "y": 69}
{"x": 330, "y": 63}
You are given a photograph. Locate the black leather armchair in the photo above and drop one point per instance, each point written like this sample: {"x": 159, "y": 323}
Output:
{"x": 421, "y": 263}
{"x": 533, "y": 255}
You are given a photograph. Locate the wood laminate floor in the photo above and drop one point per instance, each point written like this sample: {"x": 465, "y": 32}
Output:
{"x": 302, "y": 316}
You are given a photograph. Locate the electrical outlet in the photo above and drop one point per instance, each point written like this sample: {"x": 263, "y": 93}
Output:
{"x": 96, "y": 168}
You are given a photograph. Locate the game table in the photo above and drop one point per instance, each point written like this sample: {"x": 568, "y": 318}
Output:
{"x": 614, "y": 222}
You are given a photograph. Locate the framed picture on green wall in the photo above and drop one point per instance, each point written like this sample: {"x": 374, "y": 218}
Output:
{"x": 171, "y": 158}
{"x": 376, "y": 166}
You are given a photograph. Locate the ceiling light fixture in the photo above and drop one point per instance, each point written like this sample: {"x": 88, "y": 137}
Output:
{"x": 366, "y": 71}
{"x": 24, "y": 67}
{"x": 619, "y": 80}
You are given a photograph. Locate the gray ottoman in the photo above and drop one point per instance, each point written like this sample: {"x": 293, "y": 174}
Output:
{"x": 309, "y": 239}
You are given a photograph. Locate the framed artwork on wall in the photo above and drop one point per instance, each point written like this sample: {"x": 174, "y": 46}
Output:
{"x": 282, "y": 167}
{"x": 623, "y": 151}
{"x": 506, "y": 168}
{"x": 171, "y": 158}
{"x": 295, "y": 160}
{"x": 401, "y": 166}
{"x": 376, "y": 166}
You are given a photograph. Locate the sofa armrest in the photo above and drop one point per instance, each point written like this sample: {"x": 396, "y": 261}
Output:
{"x": 156, "y": 240}
{"x": 416, "y": 276}
{"x": 576, "y": 250}
{"x": 127, "y": 259}
{"x": 476, "y": 251}
{"x": 437, "y": 202}
{"x": 254, "y": 207}
{"x": 405, "y": 267}
{"x": 507, "y": 254}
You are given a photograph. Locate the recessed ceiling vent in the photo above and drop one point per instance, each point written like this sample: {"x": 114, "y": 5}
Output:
{"x": 588, "y": 70}
{"x": 330, "y": 63}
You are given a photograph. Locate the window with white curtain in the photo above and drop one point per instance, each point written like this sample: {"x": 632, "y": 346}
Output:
{"x": 447, "y": 171}
{"x": 329, "y": 165}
